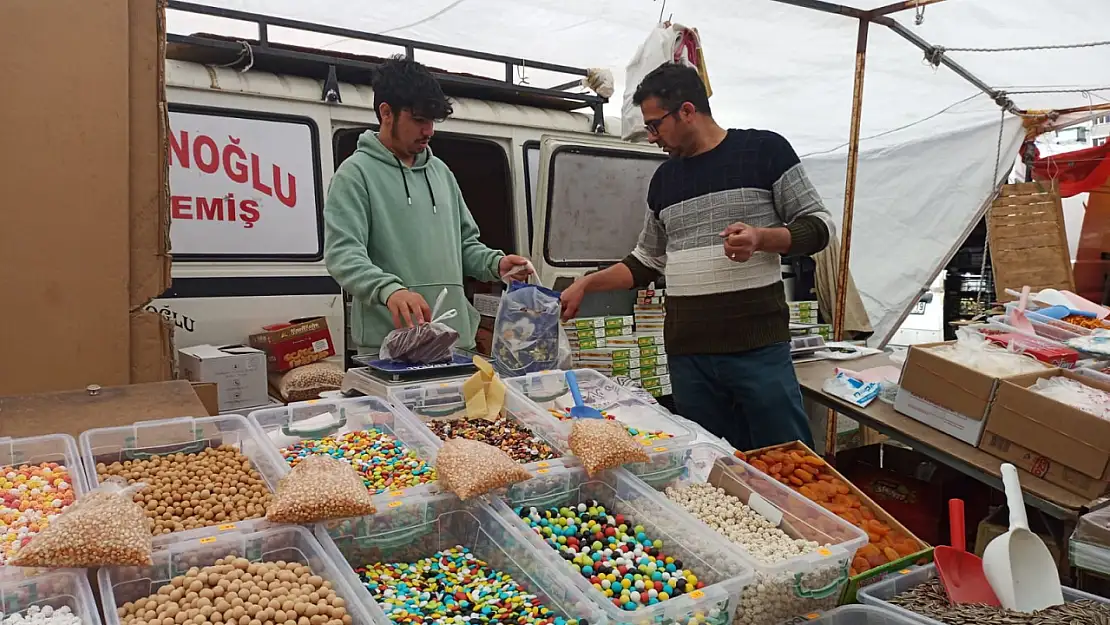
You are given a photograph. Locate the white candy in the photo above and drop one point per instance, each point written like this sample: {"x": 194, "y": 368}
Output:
{"x": 36, "y": 615}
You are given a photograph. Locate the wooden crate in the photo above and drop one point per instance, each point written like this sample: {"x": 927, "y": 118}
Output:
{"x": 1028, "y": 243}
{"x": 924, "y": 555}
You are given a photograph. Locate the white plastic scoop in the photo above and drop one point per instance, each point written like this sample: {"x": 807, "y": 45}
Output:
{"x": 1017, "y": 564}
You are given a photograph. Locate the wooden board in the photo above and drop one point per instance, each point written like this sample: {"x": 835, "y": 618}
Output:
{"x": 1028, "y": 243}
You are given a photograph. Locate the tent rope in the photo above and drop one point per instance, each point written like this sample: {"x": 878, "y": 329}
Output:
{"x": 1062, "y": 46}
{"x": 1084, "y": 90}
{"x": 994, "y": 195}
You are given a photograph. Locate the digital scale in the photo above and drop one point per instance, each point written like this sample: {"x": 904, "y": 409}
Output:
{"x": 802, "y": 348}
{"x": 378, "y": 377}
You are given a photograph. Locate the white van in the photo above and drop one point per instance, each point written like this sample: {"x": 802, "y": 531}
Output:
{"x": 252, "y": 152}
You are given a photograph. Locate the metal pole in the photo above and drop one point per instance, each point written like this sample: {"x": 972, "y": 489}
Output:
{"x": 902, "y": 6}
{"x": 849, "y": 206}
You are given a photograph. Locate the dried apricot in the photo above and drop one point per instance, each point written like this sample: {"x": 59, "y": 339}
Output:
{"x": 825, "y": 477}
{"x": 891, "y": 554}
{"x": 878, "y": 527}
{"x": 814, "y": 460}
{"x": 788, "y": 468}
{"x": 905, "y": 548}
{"x": 866, "y": 513}
{"x": 776, "y": 469}
{"x": 803, "y": 475}
{"x": 876, "y": 560}
{"x": 777, "y": 456}
{"x": 796, "y": 481}
{"x": 873, "y": 538}
{"x": 860, "y": 564}
{"x": 759, "y": 464}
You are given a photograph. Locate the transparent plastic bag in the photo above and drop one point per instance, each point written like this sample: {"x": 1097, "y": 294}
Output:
{"x": 602, "y": 444}
{"x": 974, "y": 351}
{"x": 471, "y": 468}
{"x": 317, "y": 489}
{"x": 424, "y": 344}
{"x": 103, "y": 528}
{"x": 1075, "y": 394}
{"x": 528, "y": 335}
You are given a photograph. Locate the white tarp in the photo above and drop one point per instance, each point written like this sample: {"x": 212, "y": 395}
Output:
{"x": 930, "y": 138}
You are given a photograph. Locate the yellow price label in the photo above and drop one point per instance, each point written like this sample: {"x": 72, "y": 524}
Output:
{"x": 824, "y": 551}
{"x": 397, "y": 493}
{"x": 227, "y": 526}
{"x": 543, "y": 471}
{"x": 659, "y": 449}
{"x": 904, "y": 572}
{"x": 395, "y": 504}
{"x": 542, "y": 465}
{"x": 645, "y": 443}
{"x": 813, "y": 616}
{"x": 697, "y": 594}
{"x": 210, "y": 539}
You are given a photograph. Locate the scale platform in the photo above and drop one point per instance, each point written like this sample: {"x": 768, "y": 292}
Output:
{"x": 378, "y": 378}
{"x": 803, "y": 347}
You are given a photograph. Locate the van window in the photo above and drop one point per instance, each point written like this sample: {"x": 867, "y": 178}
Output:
{"x": 244, "y": 186}
{"x": 531, "y": 183}
{"x": 481, "y": 168}
{"x": 596, "y": 198}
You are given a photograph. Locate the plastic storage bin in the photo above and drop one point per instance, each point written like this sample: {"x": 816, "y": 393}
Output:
{"x": 32, "y": 450}
{"x": 879, "y": 594}
{"x": 801, "y": 585}
{"x": 433, "y": 400}
{"x": 1048, "y": 327}
{"x": 860, "y": 615}
{"x": 56, "y": 588}
{"x": 284, "y": 426}
{"x": 548, "y": 390}
{"x": 291, "y": 543}
{"x": 413, "y": 528}
{"x": 181, "y": 435}
{"x": 705, "y": 553}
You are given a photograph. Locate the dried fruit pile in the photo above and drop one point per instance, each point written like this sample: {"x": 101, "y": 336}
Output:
{"x": 813, "y": 478}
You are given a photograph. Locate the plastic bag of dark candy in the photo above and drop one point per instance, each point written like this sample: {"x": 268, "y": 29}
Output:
{"x": 527, "y": 334}
{"x": 425, "y": 344}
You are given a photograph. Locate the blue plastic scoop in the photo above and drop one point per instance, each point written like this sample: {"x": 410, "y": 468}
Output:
{"x": 1059, "y": 312}
{"x": 580, "y": 410}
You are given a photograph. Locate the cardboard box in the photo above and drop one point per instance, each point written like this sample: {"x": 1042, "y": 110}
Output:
{"x": 239, "y": 372}
{"x": 944, "y": 395}
{"x": 297, "y": 343}
{"x": 1060, "y": 433}
{"x": 1042, "y": 467}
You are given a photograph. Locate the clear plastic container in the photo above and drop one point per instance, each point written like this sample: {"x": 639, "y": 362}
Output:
{"x": 1095, "y": 374}
{"x": 804, "y": 584}
{"x": 20, "y": 590}
{"x": 860, "y": 615}
{"x": 291, "y": 543}
{"x": 186, "y": 435}
{"x": 1048, "y": 327}
{"x": 287, "y": 425}
{"x": 444, "y": 400}
{"x": 413, "y": 528}
{"x": 705, "y": 553}
{"x": 33, "y": 450}
{"x": 548, "y": 390}
{"x": 879, "y": 594}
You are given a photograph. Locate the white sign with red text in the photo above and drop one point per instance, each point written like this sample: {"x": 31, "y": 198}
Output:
{"x": 241, "y": 186}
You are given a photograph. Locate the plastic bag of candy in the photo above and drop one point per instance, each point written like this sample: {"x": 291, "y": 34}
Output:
{"x": 103, "y": 528}
{"x": 320, "y": 488}
{"x": 471, "y": 468}
{"x": 527, "y": 334}
{"x": 602, "y": 444}
{"x": 423, "y": 344}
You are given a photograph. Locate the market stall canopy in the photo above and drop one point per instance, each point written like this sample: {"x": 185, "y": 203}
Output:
{"x": 930, "y": 138}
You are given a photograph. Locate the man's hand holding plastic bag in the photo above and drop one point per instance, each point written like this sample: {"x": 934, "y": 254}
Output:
{"x": 423, "y": 344}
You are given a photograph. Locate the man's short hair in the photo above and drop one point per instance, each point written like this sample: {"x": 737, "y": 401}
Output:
{"x": 673, "y": 84}
{"x": 404, "y": 84}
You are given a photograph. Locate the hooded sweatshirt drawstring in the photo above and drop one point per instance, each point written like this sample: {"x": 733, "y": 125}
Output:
{"x": 405, "y": 180}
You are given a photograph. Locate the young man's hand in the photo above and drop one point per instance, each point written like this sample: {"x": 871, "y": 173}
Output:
{"x": 571, "y": 298}
{"x": 514, "y": 265}
{"x": 409, "y": 309}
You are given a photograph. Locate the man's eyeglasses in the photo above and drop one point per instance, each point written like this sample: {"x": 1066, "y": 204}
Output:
{"x": 653, "y": 125}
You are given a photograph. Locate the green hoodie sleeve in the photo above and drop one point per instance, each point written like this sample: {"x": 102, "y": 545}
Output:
{"x": 478, "y": 261}
{"x": 346, "y": 235}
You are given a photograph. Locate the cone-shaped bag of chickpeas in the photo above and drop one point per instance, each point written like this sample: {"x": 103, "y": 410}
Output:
{"x": 471, "y": 468}
{"x": 103, "y": 528}
{"x": 317, "y": 489}
{"x": 601, "y": 445}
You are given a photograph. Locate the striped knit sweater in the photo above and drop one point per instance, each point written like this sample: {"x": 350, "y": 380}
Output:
{"x": 716, "y": 305}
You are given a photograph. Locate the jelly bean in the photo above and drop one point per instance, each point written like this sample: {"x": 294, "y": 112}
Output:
{"x": 384, "y": 462}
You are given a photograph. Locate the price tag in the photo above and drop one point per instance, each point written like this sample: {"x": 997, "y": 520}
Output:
{"x": 397, "y": 493}
{"x": 813, "y": 616}
{"x": 210, "y": 539}
{"x": 543, "y": 471}
{"x": 765, "y": 509}
{"x": 659, "y": 449}
{"x": 227, "y": 526}
{"x": 824, "y": 552}
{"x": 542, "y": 465}
{"x": 697, "y": 594}
{"x": 395, "y": 504}
{"x": 904, "y": 572}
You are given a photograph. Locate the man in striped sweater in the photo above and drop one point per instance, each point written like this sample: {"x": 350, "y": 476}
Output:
{"x": 720, "y": 214}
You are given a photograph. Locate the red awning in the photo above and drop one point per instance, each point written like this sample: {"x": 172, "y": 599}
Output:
{"x": 1077, "y": 172}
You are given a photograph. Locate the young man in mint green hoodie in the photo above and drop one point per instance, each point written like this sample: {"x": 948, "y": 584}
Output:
{"x": 396, "y": 228}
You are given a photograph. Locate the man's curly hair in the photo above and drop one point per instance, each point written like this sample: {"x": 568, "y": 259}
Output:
{"x": 404, "y": 84}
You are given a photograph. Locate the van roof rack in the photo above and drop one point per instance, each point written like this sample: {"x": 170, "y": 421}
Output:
{"x": 333, "y": 67}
